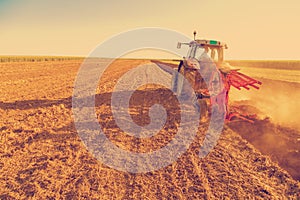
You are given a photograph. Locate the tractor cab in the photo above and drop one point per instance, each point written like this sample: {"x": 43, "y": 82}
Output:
{"x": 203, "y": 48}
{"x": 201, "y": 65}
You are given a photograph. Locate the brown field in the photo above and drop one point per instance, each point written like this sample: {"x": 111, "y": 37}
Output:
{"x": 42, "y": 156}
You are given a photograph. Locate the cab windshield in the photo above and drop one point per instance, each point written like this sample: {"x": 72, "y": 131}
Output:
{"x": 195, "y": 51}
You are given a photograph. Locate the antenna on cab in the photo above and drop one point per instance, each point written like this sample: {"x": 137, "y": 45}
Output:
{"x": 195, "y": 33}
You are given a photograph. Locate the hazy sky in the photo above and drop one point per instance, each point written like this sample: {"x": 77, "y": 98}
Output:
{"x": 257, "y": 29}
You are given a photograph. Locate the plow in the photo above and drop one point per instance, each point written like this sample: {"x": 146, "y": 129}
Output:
{"x": 210, "y": 77}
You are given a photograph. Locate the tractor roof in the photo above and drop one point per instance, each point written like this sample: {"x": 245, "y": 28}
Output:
{"x": 209, "y": 43}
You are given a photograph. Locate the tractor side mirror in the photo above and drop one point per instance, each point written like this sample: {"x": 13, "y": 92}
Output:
{"x": 178, "y": 45}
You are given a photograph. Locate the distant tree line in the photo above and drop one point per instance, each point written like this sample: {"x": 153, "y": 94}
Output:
{"x": 37, "y": 58}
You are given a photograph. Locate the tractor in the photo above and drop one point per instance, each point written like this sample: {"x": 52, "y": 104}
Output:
{"x": 209, "y": 76}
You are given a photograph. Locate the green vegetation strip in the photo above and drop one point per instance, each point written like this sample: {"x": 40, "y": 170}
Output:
{"x": 37, "y": 58}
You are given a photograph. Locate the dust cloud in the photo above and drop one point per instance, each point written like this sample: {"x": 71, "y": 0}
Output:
{"x": 277, "y": 100}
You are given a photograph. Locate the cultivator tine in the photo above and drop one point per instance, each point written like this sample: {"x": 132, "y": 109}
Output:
{"x": 238, "y": 80}
{"x": 254, "y": 86}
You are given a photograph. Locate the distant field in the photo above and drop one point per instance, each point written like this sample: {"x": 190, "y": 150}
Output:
{"x": 274, "y": 70}
{"x": 283, "y": 70}
{"x": 272, "y": 64}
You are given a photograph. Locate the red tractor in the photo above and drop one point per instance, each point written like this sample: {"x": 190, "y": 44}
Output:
{"x": 209, "y": 76}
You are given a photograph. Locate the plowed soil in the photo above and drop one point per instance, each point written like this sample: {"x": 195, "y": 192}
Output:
{"x": 42, "y": 156}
